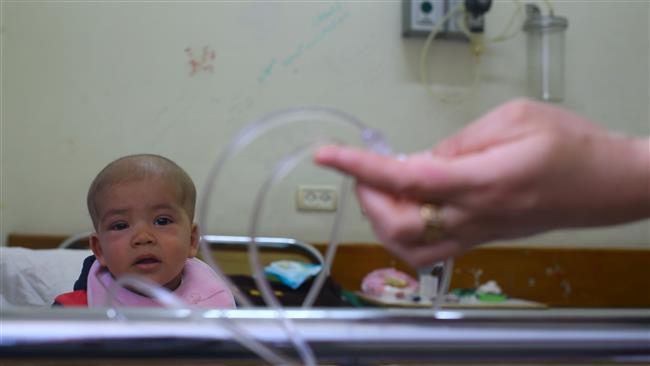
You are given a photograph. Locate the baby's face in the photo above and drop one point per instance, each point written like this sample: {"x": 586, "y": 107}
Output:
{"x": 143, "y": 230}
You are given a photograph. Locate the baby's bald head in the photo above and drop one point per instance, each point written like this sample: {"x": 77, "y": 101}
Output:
{"x": 137, "y": 168}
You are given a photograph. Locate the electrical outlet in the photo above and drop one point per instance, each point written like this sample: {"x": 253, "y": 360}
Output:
{"x": 420, "y": 16}
{"x": 316, "y": 198}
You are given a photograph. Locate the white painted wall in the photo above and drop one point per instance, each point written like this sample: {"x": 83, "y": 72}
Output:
{"x": 86, "y": 82}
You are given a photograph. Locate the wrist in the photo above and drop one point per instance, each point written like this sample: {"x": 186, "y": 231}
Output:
{"x": 615, "y": 186}
{"x": 642, "y": 153}
{"x": 632, "y": 172}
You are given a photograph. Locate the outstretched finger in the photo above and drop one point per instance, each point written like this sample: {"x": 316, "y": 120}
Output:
{"x": 418, "y": 177}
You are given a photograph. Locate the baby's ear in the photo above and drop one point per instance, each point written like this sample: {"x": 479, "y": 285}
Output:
{"x": 97, "y": 248}
{"x": 194, "y": 241}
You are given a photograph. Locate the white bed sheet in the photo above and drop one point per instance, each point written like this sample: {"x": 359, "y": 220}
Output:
{"x": 35, "y": 277}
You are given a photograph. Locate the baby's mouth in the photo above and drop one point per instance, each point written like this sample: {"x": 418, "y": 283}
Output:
{"x": 146, "y": 262}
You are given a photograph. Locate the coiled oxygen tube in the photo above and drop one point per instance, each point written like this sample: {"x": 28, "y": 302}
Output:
{"x": 372, "y": 140}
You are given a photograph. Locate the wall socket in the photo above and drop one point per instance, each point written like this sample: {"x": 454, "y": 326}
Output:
{"x": 420, "y": 16}
{"x": 316, "y": 198}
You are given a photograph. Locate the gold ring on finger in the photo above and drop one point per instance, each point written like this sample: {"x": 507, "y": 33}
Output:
{"x": 434, "y": 228}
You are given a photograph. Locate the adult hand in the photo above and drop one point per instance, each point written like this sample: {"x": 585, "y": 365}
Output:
{"x": 523, "y": 168}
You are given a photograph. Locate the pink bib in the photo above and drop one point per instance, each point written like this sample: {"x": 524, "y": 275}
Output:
{"x": 200, "y": 287}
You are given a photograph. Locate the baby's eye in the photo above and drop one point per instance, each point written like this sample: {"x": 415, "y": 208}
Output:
{"x": 162, "y": 221}
{"x": 119, "y": 226}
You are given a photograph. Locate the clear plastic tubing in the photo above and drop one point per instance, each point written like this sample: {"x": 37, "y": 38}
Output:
{"x": 171, "y": 301}
{"x": 285, "y": 166}
{"x": 372, "y": 139}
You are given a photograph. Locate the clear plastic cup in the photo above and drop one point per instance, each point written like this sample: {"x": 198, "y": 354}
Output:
{"x": 546, "y": 45}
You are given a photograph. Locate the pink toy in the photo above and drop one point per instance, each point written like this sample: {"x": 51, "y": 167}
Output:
{"x": 389, "y": 283}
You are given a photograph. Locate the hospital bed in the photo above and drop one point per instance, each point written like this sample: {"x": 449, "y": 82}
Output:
{"x": 36, "y": 334}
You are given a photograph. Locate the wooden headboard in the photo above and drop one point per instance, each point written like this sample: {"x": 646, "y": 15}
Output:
{"x": 557, "y": 276}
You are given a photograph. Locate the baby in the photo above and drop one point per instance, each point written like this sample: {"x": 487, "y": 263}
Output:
{"x": 142, "y": 209}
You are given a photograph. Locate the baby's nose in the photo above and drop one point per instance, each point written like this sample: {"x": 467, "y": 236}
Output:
{"x": 143, "y": 236}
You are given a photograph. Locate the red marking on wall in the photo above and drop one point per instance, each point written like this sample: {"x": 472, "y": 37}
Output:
{"x": 202, "y": 63}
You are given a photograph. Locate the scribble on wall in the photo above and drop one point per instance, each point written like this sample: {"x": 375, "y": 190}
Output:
{"x": 324, "y": 23}
{"x": 202, "y": 63}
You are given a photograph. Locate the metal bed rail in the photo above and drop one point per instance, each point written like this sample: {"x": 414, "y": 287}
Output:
{"x": 368, "y": 336}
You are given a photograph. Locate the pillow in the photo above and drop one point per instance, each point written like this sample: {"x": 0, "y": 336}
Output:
{"x": 35, "y": 277}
